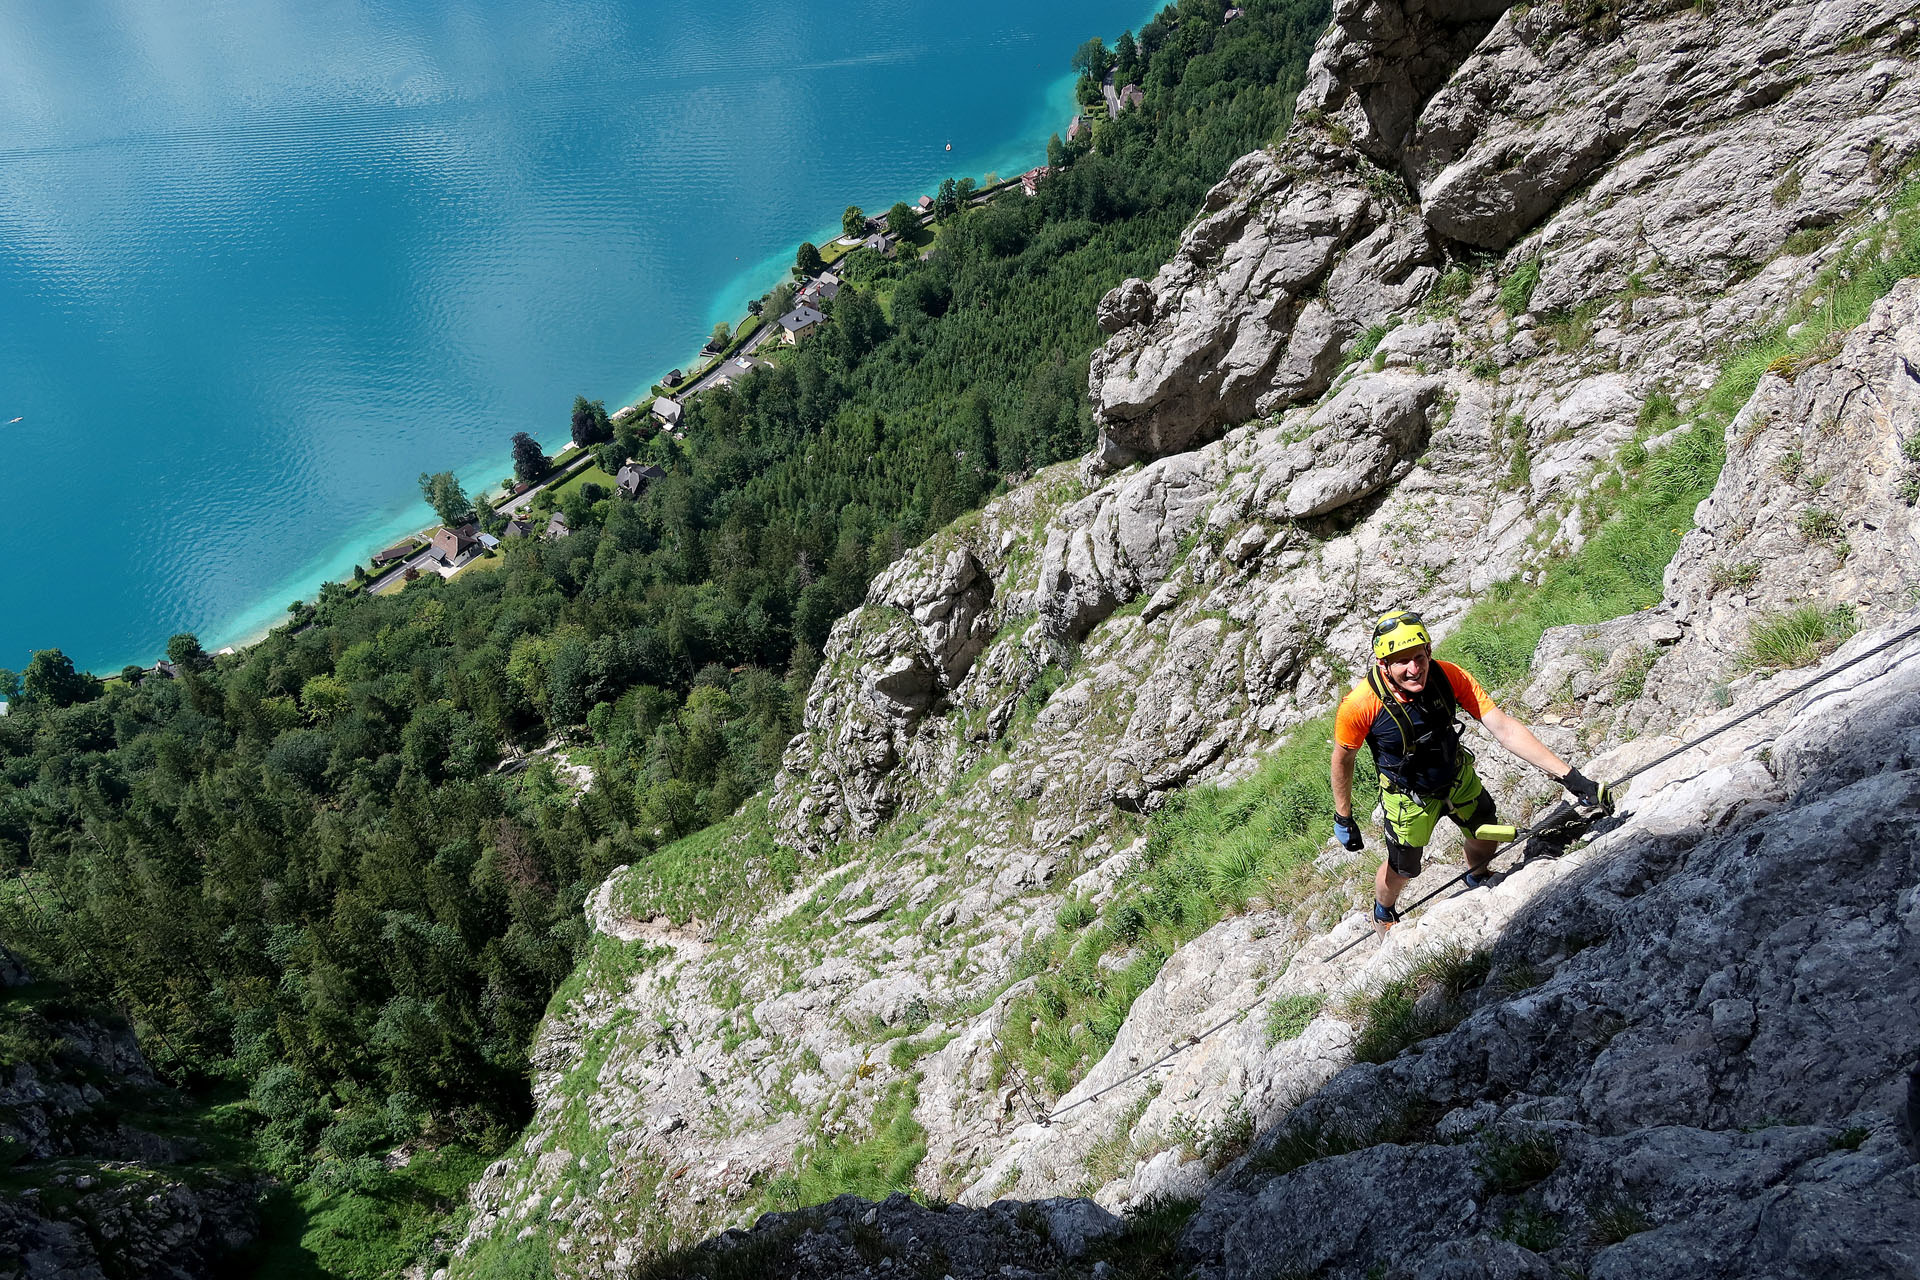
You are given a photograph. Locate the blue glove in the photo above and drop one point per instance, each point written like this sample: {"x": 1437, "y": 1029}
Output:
{"x": 1347, "y": 832}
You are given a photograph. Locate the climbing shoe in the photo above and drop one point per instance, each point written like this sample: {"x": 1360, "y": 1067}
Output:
{"x": 1478, "y": 879}
{"x": 1384, "y": 917}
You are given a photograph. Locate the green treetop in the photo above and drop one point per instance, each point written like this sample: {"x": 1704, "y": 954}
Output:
{"x": 444, "y": 494}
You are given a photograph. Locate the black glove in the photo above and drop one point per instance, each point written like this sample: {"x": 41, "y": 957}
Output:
{"x": 1347, "y": 832}
{"x": 1594, "y": 795}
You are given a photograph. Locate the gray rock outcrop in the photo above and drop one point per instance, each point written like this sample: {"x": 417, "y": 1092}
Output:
{"x": 1607, "y": 143}
{"x": 988, "y": 731}
{"x": 92, "y": 1194}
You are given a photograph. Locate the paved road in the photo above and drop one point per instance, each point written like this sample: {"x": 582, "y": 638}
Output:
{"x": 396, "y": 575}
{"x": 707, "y": 379}
{"x": 1112, "y": 96}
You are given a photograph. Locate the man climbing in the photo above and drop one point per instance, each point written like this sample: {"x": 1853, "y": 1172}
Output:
{"x": 1404, "y": 711}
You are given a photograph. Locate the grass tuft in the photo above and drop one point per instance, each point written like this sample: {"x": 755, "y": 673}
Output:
{"x": 1424, "y": 1001}
{"x": 1147, "y": 1247}
{"x": 1288, "y": 1016}
{"x": 1803, "y": 636}
{"x": 1511, "y": 1163}
{"x": 1516, "y": 291}
{"x": 1614, "y": 1219}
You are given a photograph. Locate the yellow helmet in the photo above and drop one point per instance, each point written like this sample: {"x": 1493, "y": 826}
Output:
{"x": 1398, "y": 631}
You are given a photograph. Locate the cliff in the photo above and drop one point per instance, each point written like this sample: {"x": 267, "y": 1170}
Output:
{"x": 1510, "y": 273}
{"x": 98, "y": 1181}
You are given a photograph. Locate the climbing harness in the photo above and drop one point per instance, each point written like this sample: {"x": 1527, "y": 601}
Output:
{"x": 1425, "y": 761}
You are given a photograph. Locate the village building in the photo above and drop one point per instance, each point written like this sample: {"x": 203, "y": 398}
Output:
{"x": 1075, "y": 128}
{"x": 1231, "y": 14}
{"x": 881, "y": 243}
{"x": 1131, "y": 96}
{"x": 674, "y": 378}
{"x": 454, "y": 547}
{"x": 516, "y": 528}
{"x": 557, "y": 526}
{"x": 738, "y": 368}
{"x": 1031, "y": 179}
{"x": 667, "y": 410}
{"x": 164, "y": 669}
{"x": 799, "y": 322}
{"x": 398, "y": 551}
{"x": 823, "y": 288}
{"x": 487, "y": 541}
{"x": 925, "y": 204}
{"x": 634, "y": 478}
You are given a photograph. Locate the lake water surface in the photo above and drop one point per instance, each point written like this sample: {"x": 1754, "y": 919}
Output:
{"x": 262, "y": 264}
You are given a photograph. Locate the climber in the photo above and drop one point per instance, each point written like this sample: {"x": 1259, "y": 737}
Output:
{"x": 1401, "y": 702}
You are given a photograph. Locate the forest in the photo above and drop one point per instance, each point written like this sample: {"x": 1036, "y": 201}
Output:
{"x": 344, "y": 868}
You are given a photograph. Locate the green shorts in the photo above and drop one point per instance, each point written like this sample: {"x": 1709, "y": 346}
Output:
{"x": 1410, "y": 821}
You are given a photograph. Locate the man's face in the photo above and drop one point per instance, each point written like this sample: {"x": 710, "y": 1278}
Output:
{"x": 1407, "y": 670}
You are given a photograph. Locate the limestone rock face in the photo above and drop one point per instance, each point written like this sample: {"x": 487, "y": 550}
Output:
{"x": 1683, "y": 1053}
{"x": 92, "y": 1195}
{"x": 1636, "y": 139}
{"x": 1232, "y": 326}
{"x": 1104, "y": 548}
{"x": 1382, "y": 60}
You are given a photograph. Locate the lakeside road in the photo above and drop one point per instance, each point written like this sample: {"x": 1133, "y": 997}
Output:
{"x": 396, "y": 574}
{"x": 689, "y": 389}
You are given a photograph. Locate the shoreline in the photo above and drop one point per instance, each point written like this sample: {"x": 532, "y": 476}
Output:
{"x": 250, "y": 625}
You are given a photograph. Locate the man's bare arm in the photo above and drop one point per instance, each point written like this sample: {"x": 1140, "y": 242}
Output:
{"x": 1519, "y": 739}
{"x": 1343, "y": 758}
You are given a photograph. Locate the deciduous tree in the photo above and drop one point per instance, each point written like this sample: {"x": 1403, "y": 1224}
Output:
{"x": 853, "y": 222}
{"x": 50, "y": 679}
{"x": 449, "y": 501}
{"x": 807, "y": 262}
{"x": 1092, "y": 58}
{"x": 590, "y": 424}
{"x": 530, "y": 461}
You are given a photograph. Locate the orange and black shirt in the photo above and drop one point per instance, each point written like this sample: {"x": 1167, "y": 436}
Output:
{"x": 1415, "y": 743}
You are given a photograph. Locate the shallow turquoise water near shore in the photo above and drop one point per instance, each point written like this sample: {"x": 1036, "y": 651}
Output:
{"x": 262, "y": 265}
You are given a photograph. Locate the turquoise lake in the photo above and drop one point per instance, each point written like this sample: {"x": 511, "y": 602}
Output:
{"x": 263, "y": 264}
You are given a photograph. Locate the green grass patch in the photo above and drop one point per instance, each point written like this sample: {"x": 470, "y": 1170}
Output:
{"x": 1147, "y": 1248}
{"x": 723, "y": 872}
{"x": 1210, "y": 852}
{"x": 1516, "y": 291}
{"x": 1302, "y": 1140}
{"x": 374, "y": 1229}
{"x": 874, "y": 1165}
{"x": 1645, "y": 504}
{"x": 1798, "y": 638}
{"x": 590, "y": 474}
{"x": 1514, "y": 1162}
{"x": 1288, "y": 1016}
{"x": 1421, "y": 1002}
